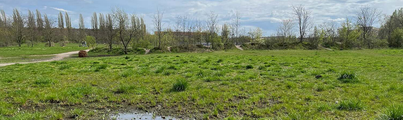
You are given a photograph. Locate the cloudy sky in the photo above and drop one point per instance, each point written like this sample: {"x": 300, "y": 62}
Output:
{"x": 266, "y": 14}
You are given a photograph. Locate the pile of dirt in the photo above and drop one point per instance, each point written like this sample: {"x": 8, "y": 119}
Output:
{"x": 82, "y": 53}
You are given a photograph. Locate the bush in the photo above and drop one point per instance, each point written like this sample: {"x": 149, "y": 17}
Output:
{"x": 117, "y": 51}
{"x": 396, "y": 40}
{"x": 91, "y": 41}
{"x": 393, "y": 113}
{"x": 351, "y": 105}
{"x": 348, "y": 77}
{"x": 180, "y": 85}
{"x": 183, "y": 48}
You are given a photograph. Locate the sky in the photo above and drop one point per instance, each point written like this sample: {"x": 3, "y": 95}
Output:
{"x": 265, "y": 14}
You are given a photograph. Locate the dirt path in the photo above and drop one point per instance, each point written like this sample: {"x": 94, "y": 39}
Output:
{"x": 239, "y": 47}
{"x": 57, "y": 57}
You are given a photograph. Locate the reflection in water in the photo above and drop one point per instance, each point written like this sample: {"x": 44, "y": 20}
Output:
{"x": 140, "y": 116}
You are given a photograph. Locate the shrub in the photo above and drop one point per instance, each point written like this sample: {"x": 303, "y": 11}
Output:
{"x": 91, "y": 41}
{"x": 351, "y": 105}
{"x": 393, "y": 113}
{"x": 180, "y": 85}
{"x": 348, "y": 77}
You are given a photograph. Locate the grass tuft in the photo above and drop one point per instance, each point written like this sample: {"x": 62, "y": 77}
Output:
{"x": 124, "y": 89}
{"x": 394, "y": 112}
{"x": 351, "y": 105}
{"x": 43, "y": 81}
{"x": 249, "y": 67}
{"x": 180, "y": 85}
{"x": 101, "y": 67}
{"x": 348, "y": 77}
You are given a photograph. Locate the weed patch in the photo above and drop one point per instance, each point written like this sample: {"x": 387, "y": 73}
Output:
{"x": 351, "y": 105}
{"x": 180, "y": 85}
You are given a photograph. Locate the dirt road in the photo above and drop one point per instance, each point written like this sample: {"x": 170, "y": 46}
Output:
{"x": 239, "y": 47}
{"x": 57, "y": 57}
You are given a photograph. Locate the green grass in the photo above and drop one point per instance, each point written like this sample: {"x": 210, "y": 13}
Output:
{"x": 395, "y": 112}
{"x": 278, "y": 84}
{"x": 38, "y": 49}
{"x": 350, "y": 105}
{"x": 36, "y": 53}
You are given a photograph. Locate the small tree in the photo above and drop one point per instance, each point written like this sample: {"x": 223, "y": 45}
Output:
{"x": 48, "y": 32}
{"x": 18, "y": 26}
{"x": 92, "y": 42}
{"x": 31, "y": 28}
{"x": 397, "y": 38}
{"x": 303, "y": 21}
{"x": 366, "y": 18}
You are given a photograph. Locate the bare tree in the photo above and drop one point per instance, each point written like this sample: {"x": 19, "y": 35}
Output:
{"x": 158, "y": 25}
{"x": 303, "y": 20}
{"x": 39, "y": 23}
{"x": 366, "y": 18}
{"x": 3, "y": 19}
{"x": 127, "y": 30}
{"x": 235, "y": 27}
{"x": 225, "y": 34}
{"x": 31, "y": 27}
{"x": 48, "y": 32}
{"x": 60, "y": 21}
{"x": 212, "y": 27}
{"x": 68, "y": 26}
{"x": 109, "y": 31}
{"x": 81, "y": 27}
{"x": 94, "y": 23}
{"x": 101, "y": 31}
{"x": 285, "y": 30}
{"x": 18, "y": 26}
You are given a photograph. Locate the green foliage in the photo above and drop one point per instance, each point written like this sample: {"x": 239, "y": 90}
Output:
{"x": 91, "y": 41}
{"x": 217, "y": 43}
{"x": 351, "y": 105}
{"x": 43, "y": 81}
{"x": 124, "y": 89}
{"x": 394, "y": 112}
{"x": 180, "y": 85}
{"x": 100, "y": 67}
{"x": 349, "y": 35}
{"x": 396, "y": 40}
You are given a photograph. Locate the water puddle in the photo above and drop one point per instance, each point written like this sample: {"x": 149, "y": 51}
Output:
{"x": 140, "y": 116}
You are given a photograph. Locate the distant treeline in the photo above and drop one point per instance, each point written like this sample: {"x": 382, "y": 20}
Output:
{"x": 130, "y": 32}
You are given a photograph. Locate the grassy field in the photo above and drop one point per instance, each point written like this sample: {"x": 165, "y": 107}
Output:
{"x": 38, "y": 52}
{"x": 288, "y": 84}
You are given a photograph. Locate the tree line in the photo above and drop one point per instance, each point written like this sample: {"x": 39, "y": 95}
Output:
{"x": 129, "y": 31}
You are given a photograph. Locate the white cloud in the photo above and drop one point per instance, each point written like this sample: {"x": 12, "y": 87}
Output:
{"x": 61, "y": 9}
